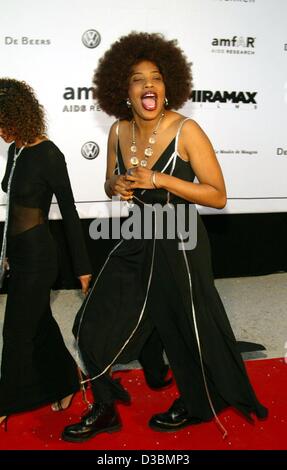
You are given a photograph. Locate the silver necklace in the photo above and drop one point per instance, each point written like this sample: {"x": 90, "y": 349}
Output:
{"x": 4, "y": 241}
{"x": 148, "y": 151}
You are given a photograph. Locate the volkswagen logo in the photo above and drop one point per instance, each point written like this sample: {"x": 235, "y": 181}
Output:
{"x": 90, "y": 150}
{"x": 91, "y": 38}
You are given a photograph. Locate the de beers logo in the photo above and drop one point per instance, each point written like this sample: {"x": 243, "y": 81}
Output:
{"x": 91, "y": 38}
{"x": 90, "y": 150}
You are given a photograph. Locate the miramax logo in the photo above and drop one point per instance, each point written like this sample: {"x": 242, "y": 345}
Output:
{"x": 224, "y": 98}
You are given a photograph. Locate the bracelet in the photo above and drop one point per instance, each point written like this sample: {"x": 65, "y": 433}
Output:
{"x": 153, "y": 179}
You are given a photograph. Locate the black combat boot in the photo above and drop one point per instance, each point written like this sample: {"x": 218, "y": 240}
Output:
{"x": 175, "y": 418}
{"x": 101, "y": 417}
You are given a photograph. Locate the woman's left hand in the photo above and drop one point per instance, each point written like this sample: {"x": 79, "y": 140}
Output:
{"x": 85, "y": 280}
{"x": 140, "y": 177}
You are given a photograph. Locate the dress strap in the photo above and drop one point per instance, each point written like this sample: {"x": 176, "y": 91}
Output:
{"x": 117, "y": 167}
{"x": 179, "y": 131}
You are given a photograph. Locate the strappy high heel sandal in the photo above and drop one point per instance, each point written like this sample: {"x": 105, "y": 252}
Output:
{"x": 4, "y": 420}
{"x": 63, "y": 404}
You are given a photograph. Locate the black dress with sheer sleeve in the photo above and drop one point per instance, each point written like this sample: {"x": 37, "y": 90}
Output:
{"x": 36, "y": 366}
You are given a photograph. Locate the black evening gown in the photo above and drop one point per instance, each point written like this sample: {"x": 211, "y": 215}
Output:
{"x": 36, "y": 366}
{"x": 148, "y": 284}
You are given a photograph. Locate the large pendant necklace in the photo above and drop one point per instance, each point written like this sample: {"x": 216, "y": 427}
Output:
{"x": 148, "y": 152}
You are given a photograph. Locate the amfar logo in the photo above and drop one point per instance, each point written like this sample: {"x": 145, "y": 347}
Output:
{"x": 234, "y": 45}
{"x": 91, "y": 38}
{"x": 236, "y": 97}
{"x": 80, "y": 93}
{"x": 90, "y": 150}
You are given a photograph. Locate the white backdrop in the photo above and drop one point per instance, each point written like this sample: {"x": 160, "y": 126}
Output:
{"x": 239, "y": 53}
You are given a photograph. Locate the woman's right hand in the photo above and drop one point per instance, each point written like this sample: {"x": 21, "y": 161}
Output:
{"x": 120, "y": 186}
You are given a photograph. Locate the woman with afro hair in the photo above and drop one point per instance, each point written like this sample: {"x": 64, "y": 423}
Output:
{"x": 36, "y": 366}
{"x": 156, "y": 283}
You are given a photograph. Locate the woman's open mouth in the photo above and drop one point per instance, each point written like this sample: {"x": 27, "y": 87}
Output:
{"x": 149, "y": 100}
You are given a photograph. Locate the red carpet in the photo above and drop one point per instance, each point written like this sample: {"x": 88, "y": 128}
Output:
{"x": 41, "y": 429}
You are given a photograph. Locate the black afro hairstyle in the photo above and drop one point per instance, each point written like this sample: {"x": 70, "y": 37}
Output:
{"x": 112, "y": 74}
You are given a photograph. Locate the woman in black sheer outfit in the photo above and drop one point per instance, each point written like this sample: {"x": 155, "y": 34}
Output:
{"x": 36, "y": 366}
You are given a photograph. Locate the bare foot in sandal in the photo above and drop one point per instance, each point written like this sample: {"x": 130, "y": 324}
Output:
{"x": 3, "y": 420}
{"x": 62, "y": 404}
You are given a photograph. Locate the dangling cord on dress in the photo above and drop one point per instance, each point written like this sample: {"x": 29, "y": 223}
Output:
{"x": 107, "y": 368}
{"x": 220, "y": 425}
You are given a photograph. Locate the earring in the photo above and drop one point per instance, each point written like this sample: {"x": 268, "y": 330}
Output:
{"x": 128, "y": 101}
{"x": 166, "y": 102}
